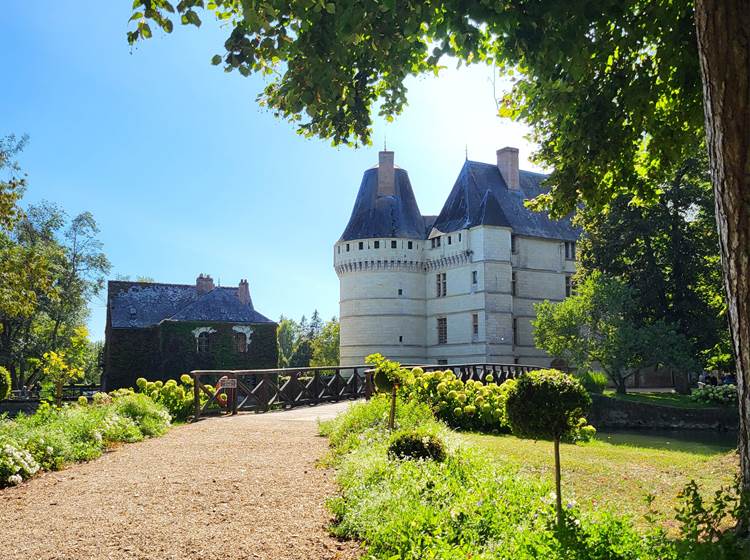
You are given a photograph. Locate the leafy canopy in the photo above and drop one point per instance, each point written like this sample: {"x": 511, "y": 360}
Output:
{"x": 598, "y": 326}
{"x": 610, "y": 87}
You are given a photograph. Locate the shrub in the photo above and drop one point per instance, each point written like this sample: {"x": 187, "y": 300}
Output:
{"x": 4, "y": 383}
{"x": 593, "y": 381}
{"x": 150, "y": 417}
{"x": 417, "y": 443}
{"x": 547, "y": 404}
{"x": 723, "y": 395}
{"x": 470, "y": 405}
{"x": 16, "y": 464}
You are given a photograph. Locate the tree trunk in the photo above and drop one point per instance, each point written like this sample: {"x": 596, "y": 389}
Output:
{"x": 558, "y": 485}
{"x": 723, "y": 31}
{"x": 392, "y": 415}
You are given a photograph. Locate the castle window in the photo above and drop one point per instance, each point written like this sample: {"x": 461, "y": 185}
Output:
{"x": 474, "y": 325}
{"x": 203, "y": 343}
{"x": 474, "y": 277}
{"x": 435, "y": 242}
{"x": 411, "y": 244}
{"x": 400, "y": 338}
{"x": 400, "y": 292}
{"x": 459, "y": 238}
{"x": 513, "y": 284}
{"x": 339, "y": 249}
{"x": 377, "y": 244}
{"x": 441, "y": 284}
{"x": 361, "y": 245}
{"x": 240, "y": 342}
{"x": 515, "y": 331}
{"x": 347, "y": 247}
{"x": 450, "y": 241}
{"x": 570, "y": 250}
{"x": 442, "y": 330}
{"x": 393, "y": 244}
{"x": 513, "y": 244}
{"x": 442, "y": 362}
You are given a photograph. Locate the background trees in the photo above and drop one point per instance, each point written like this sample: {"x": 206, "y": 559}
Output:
{"x": 601, "y": 325}
{"x": 308, "y": 343}
{"x": 50, "y": 268}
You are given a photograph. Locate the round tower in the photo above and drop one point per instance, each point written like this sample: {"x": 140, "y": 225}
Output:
{"x": 380, "y": 264}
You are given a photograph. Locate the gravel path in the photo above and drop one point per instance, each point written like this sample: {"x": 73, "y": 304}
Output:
{"x": 241, "y": 487}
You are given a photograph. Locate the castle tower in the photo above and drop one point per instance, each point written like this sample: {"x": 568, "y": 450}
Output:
{"x": 379, "y": 261}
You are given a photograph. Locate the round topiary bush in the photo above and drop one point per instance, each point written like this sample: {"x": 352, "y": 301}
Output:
{"x": 4, "y": 383}
{"x": 547, "y": 404}
{"x": 417, "y": 444}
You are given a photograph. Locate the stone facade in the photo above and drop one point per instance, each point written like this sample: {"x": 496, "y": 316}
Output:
{"x": 462, "y": 291}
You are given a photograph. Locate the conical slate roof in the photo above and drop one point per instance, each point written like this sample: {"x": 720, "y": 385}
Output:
{"x": 385, "y": 215}
{"x": 480, "y": 196}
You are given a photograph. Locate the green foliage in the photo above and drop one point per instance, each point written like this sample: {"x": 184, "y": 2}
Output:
{"x": 325, "y": 346}
{"x": 469, "y": 507}
{"x": 419, "y": 443}
{"x": 668, "y": 254}
{"x": 596, "y": 326}
{"x": 53, "y": 437}
{"x": 724, "y": 395}
{"x": 593, "y": 381}
{"x": 4, "y": 383}
{"x": 470, "y": 405}
{"x": 308, "y": 343}
{"x": 176, "y": 397}
{"x": 388, "y": 374}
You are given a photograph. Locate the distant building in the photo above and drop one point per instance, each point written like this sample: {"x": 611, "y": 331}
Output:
{"x": 160, "y": 331}
{"x": 457, "y": 287}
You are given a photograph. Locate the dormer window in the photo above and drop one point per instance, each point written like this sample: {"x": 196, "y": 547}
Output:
{"x": 393, "y": 245}
{"x": 410, "y": 244}
{"x": 361, "y": 245}
{"x": 377, "y": 244}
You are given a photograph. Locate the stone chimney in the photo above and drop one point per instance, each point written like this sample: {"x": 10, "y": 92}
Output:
{"x": 386, "y": 174}
{"x": 204, "y": 283}
{"x": 507, "y": 163}
{"x": 243, "y": 292}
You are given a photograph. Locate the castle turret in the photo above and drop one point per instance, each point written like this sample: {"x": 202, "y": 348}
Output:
{"x": 379, "y": 261}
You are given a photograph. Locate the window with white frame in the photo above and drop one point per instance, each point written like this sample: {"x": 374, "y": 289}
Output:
{"x": 442, "y": 330}
{"x": 441, "y": 288}
{"x": 570, "y": 250}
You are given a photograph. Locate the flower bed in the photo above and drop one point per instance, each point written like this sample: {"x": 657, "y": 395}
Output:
{"x": 53, "y": 437}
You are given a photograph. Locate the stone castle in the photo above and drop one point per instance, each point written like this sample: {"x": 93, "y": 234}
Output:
{"x": 454, "y": 288}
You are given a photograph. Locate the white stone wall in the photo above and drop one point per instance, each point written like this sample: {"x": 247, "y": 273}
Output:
{"x": 375, "y": 317}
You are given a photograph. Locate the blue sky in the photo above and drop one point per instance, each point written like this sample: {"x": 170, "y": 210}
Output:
{"x": 186, "y": 174}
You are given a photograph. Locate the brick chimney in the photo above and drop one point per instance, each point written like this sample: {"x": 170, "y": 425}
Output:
{"x": 204, "y": 283}
{"x": 386, "y": 174}
{"x": 507, "y": 163}
{"x": 243, "y": 292}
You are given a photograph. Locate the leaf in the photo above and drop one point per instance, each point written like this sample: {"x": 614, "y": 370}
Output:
{"x": 216, "y": 59}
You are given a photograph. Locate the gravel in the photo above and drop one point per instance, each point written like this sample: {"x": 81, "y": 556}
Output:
{"x": 236, "y": 487}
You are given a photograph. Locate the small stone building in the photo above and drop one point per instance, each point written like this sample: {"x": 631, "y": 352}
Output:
{"x": 160, "y": 331}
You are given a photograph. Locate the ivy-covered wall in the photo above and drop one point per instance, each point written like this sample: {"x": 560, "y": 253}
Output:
{"x": 168, "y": 351}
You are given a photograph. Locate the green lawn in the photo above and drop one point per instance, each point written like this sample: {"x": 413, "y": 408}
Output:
{"x": 665, "y": 399}
{"x": 616, "y": 472}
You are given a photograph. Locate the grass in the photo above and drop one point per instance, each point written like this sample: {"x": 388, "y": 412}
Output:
{"x": 617, "y": 473}
{"x": 665, "y": 399}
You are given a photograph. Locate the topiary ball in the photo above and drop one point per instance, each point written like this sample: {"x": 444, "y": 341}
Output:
{"x": 382, "y": 382}
{"x": 417, "y": 444}
{"x": 546, "y": 404}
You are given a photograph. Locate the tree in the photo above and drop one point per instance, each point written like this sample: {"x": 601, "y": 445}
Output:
{"x": 613, "y": 90}
{"x": 325, "y": 346}
{"x": 596, "y": 327}
{"x": 285, "y": 339}
{"x": 547, "y": 404}
{"x": 59, "y": 371}
{"x": 668, "y": 253}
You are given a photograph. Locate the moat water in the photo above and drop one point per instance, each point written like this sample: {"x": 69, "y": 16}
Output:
{"x": 705, "y": 442}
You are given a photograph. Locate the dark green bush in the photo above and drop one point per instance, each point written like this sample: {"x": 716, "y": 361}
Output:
{"x": 417, "y": 443}
{"x": 546, "y": 404}
{"x": 593, "y": 381}
{"x": 4, "y": 383}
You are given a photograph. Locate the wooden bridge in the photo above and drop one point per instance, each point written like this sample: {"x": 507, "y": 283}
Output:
{"x": 262, "y": 390}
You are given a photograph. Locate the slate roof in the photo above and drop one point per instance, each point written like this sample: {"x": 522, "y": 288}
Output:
{"x": 481, "y": 197}
{"x": 377, "y": 215}
{"x": 145, "y": 304}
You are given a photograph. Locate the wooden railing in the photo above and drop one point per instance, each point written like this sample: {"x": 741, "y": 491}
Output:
{"x": 262, "y": 390}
